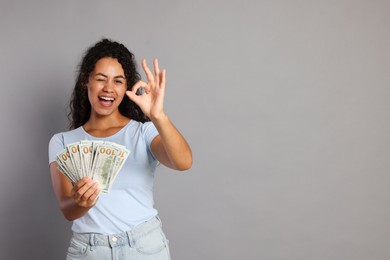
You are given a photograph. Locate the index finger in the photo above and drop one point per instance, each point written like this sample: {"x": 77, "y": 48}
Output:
{"x": 148, "y": 73}
{"x": 82, "y": 182}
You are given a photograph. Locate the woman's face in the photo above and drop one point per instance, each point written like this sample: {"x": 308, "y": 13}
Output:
{"x": 106, "y": 87}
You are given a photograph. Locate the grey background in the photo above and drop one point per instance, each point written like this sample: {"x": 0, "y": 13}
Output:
{"x": 285, "y": 104}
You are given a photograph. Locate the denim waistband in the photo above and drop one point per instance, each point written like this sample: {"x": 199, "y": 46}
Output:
{"x": 127, "y": 237}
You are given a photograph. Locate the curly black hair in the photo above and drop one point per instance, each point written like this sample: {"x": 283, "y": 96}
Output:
{"x": 79, "y": 106}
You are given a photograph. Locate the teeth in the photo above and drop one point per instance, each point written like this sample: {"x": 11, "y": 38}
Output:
{"x": 107, "y": 98}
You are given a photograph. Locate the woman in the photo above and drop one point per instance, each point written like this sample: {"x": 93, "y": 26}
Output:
{"x": 106, "y": 105}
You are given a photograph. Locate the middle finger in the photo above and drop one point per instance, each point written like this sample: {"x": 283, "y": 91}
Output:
{"x": 156, "y": 71}
{"x": 148, "y": 73}
{"x": 79, "y": 193}
{"x": 89, "y": 192}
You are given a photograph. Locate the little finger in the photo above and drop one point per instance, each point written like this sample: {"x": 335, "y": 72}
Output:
{"x": 79, "y": 193}
{"x": 81, "y": 183}
{"x": 93, "y": 198}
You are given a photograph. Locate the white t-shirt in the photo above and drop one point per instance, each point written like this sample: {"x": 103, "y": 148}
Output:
{"x": 130, "y": 200}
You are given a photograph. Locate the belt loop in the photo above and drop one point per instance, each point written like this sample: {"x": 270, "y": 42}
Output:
{"x": 130, "y": 238}
{"x": 92, "y": 241}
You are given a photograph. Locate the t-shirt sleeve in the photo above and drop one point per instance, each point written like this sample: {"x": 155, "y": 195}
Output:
{"x": 150, "y": 132}
{"x": 56, "y": 145}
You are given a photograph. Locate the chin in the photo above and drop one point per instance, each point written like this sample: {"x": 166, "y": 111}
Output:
{"x": 104, "y": 112}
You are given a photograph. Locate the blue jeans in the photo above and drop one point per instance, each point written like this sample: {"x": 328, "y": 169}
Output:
{"x": 146, "y": 242}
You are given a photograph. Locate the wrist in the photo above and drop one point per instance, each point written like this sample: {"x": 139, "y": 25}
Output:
{"x": 159, "y": 119}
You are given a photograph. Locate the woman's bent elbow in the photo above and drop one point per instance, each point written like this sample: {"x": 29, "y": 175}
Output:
{"x": 185, "y": 165}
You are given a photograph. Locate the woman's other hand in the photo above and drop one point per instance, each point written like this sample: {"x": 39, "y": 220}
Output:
{"x": 152, "y": 101}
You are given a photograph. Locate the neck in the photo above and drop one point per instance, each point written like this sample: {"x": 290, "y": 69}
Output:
{"x": 98, "y": 122}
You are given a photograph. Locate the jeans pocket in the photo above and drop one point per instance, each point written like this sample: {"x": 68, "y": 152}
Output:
{"x": 151, "y": 243}
{"x": 77, "y": 249}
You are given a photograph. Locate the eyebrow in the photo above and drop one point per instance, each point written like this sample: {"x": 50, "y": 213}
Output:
{"x": 116, "y": 77}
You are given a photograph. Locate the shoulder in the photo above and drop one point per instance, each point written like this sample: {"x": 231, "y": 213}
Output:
{"x": 63, "y": 138}
{"x": 149, "y": 131}
{"x": 60, "y": 140}
{"x": 56, "y": 144}
{"x": 56, "y": 139}
{"x": 146, "y": 130}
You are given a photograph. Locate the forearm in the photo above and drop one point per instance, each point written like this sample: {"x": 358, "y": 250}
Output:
{"x": 74, "y": 201}
{"x": 175, "y": 147}
{"x": 71, "y": 210}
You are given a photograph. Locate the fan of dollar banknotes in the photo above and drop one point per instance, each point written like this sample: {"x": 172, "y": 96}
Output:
{"x": 100, "y": 160}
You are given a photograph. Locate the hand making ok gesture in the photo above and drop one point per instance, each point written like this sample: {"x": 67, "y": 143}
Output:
{"x": 151, "y": 101}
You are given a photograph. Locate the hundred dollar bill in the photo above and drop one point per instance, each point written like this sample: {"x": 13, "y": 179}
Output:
{"x": 94, "y": 155}
{"x": 65, "y": 172}
{"x": 101, "y": 160}
{"x": 85, "y": 148}
{"x": 121, "y": 155}
{"x": 102, "y": 166}
{"x": 75, "y": 157}
{"x": 64, "y": 160}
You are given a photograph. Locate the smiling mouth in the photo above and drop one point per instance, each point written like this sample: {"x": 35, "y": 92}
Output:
{"x": 107, "y": 99}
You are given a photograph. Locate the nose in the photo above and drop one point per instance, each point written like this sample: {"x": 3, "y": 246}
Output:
{"x": 108, "y": 86}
